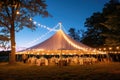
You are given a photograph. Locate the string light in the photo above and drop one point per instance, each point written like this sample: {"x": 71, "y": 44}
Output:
{"x": 17, "y": 12}
{"x": 42, "y": 26}
{"x": 35, "y": 22}
{"x": 38, "y": 24}
{"x": 66, "y": 38}
{"x": 117, "y": 47}
{"x": 79, "y": 47}
{"x": 41, "y": 37}
{"x": 70, "y": 42}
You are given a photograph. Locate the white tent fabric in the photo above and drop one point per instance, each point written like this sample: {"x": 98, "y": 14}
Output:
{"x": 60, "y": 40}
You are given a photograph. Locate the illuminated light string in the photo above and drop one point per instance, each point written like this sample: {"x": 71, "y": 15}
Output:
{"x": 51, "y": 29}
{"x": 41, "y": 37}
{"x": 42, "y": 26}
{"x": 78, "y": 47}
{"x": 70, "y": 42}
{"x": 38, "y": 38}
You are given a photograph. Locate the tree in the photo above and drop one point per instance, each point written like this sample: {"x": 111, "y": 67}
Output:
{"x": 74, "y": 34}
{"x": 92, "y": 36}
{"x": 17, "y": 14}
{"x": 111, "y": 11}
{"x": 4, "y": 38}
{"x": 3, "y": 41}
{"x": 103, "y": 27}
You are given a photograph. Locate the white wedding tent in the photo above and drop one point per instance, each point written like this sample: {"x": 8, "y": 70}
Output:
{"x": 60, "y": 43}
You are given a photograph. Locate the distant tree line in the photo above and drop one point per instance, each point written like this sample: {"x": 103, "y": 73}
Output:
{"x": 4, "y": 53}
{"x": 103, "y": 28}
{"x": 4, "y": 56}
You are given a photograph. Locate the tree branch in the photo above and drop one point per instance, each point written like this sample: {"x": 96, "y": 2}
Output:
{"x": 4, "y": 25}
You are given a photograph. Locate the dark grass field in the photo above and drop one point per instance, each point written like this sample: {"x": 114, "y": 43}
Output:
{"x": 98, "y": 71}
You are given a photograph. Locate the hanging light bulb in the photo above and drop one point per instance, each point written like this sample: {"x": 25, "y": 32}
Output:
{"x": 117, "y": 47}
{"x": 17, "y": 12}
{"x": 34, "y": 22}
{"x": 30, "y": 19}
{"x": 38, "y": 24}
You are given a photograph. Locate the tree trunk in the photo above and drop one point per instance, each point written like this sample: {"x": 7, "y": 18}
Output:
{"x": 12, "y": 58}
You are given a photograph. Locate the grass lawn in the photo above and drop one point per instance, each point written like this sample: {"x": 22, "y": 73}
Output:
{"x": 98, "y": 71}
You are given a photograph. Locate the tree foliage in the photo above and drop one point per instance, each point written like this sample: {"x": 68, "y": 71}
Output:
{"x": 103, "y": 27}
{"x": 3, "y": 41}
{"x": 17, "y": 14}
{"x": 20, "y": 11}
{"x": 111, "y": 11}
{"x": 92, "y": 36}
{"x": 74, "y": 34}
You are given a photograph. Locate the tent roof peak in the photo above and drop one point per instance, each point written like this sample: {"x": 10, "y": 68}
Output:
{"x": 60, "y": 26}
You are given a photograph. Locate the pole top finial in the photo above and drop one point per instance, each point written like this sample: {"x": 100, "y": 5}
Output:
{"x": 60, "y": 24}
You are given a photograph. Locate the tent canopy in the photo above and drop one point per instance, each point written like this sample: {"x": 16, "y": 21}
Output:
{"x": 61, "y": 41}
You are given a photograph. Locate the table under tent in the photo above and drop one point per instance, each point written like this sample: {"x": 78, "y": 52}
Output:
{"x": 62, "y": 46}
